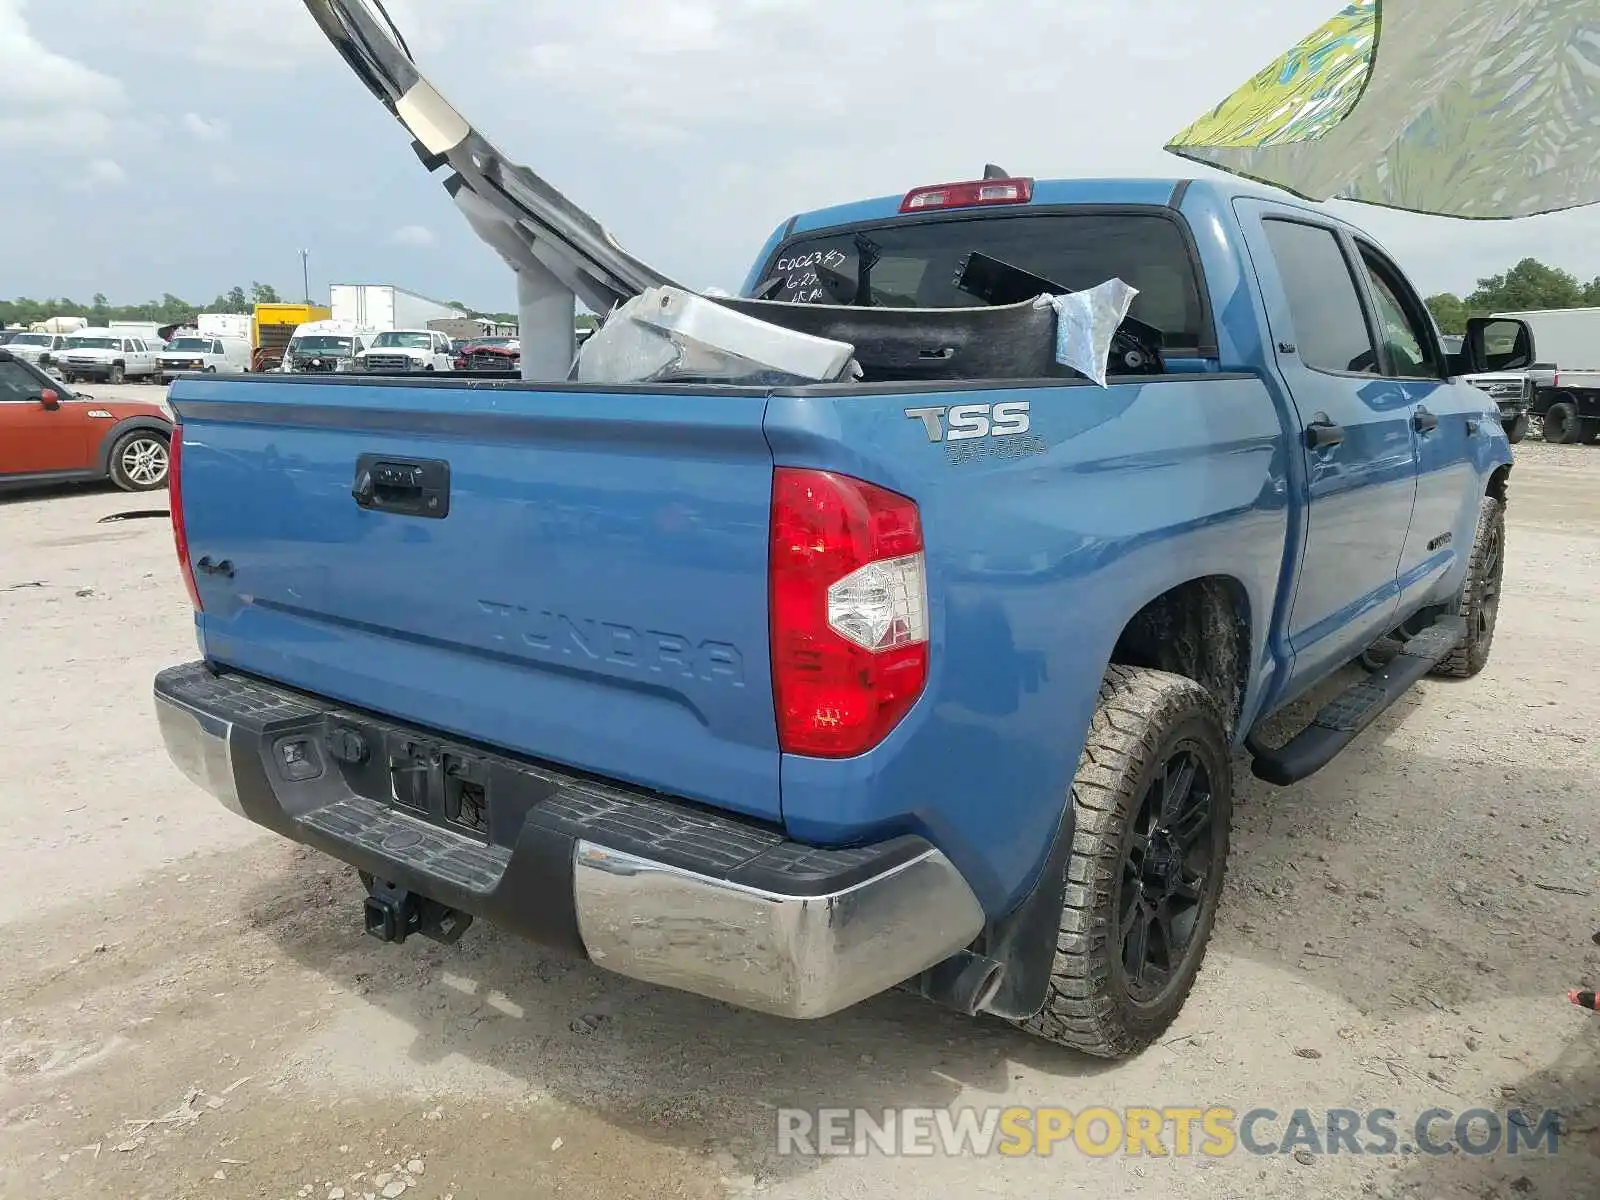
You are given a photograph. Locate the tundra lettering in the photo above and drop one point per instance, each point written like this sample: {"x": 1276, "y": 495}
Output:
{"x": 559, "y": 634}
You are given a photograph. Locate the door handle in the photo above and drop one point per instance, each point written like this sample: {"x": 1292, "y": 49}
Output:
{"x": 1323, "y": 434}
{"x": 1424, "y": 421}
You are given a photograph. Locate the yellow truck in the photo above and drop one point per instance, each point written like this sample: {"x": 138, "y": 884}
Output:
{"x": 274, "y": 324}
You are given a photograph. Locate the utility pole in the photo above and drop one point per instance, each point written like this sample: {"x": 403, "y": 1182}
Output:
{"x": 305, "y": 273}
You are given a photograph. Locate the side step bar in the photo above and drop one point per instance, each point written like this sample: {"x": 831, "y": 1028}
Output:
{"x": 1339, "y": 721}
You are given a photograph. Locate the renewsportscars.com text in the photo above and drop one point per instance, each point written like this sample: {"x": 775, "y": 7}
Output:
{"x": 1211, "y": 1132}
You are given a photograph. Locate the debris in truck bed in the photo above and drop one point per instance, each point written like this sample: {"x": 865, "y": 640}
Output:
{"x": 1029, "y": 328}
{"x": 1086, "y": 324}
{"x": 666, "y": 334}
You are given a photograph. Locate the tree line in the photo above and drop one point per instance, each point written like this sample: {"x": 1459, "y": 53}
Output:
{"x": 1529, "y": 285}
{"x": 169, "y": 309}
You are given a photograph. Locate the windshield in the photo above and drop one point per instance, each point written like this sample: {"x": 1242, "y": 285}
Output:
{"x": 92, "y": 343}
{"x": 917, "y": 264}
{"x": 410, "y": 341}
{"x": 321, "y": 343}
{"x": 31, "y": 339}
{"x": 493, "y": 341}
{"x": 191, "y": 345}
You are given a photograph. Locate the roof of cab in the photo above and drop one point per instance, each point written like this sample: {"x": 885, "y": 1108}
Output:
{"x": 1057, "y": 191}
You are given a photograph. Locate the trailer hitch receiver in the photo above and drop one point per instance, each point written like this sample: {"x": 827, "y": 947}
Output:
{"x": 392, "y": 914}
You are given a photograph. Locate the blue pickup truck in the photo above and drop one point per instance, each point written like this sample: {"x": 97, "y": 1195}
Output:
{"x": 788, "y": 693}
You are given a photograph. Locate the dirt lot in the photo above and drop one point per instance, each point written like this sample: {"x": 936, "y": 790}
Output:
{"x": 189, "y": 1008}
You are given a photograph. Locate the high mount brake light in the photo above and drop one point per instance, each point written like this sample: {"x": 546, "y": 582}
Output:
{"x": 180, "y": 532}
{"x": 968, "y": 195}
{"x": 849, "y": 612}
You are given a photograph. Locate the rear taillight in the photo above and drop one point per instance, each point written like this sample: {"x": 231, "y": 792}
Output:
{"x": 968, "y": 195}
{"x": 180, "y": 534}
{"x": 849, "y": 611}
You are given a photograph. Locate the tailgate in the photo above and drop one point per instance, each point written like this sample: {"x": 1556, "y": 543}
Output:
{"x": 594, "y": 595}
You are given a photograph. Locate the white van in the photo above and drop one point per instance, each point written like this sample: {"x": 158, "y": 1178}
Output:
{"x": 322, "y": 347}
{"x": 147, "y": 331}
{"x": 191, "y": 351}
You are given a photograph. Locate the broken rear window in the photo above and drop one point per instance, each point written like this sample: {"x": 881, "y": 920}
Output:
{"x": 916, "y": 264}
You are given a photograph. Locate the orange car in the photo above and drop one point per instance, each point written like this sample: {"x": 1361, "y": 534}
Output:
{"x": 51, "y": 434}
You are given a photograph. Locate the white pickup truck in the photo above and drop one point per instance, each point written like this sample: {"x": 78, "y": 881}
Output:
{"x": 103, "y": 354}
{"x": 40, "y": 349}
{"x": 407, "y": 350}
{"x": 1511, "y": 391}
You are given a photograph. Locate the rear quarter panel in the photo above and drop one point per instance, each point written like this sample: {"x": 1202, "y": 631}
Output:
{"x": 1035, "y": 565}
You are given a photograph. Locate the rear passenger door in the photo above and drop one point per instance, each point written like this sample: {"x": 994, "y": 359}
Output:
{"x": 1356, "y": 444}
{"x": 1445, "y": 420}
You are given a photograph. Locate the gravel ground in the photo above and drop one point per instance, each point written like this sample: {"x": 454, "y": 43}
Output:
{"x": 189, "y": 1008}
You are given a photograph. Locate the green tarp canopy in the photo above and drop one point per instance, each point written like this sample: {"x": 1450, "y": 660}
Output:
{"x": 1485, "y": 109}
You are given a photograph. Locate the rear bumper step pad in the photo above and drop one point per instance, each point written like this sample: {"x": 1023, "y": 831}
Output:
{"x": 651, "y": 887}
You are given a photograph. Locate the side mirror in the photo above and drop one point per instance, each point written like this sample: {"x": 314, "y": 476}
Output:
{"x": 50, "y": 398}
{"x": 1495, "y": 344}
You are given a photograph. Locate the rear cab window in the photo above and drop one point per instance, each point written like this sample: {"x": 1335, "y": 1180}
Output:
{"x": 915, "y": 263}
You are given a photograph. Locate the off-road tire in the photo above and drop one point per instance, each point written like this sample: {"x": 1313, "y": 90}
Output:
{"x": 1518, "y": 429}
{"x": 131, "y": 478}
{"x": 116, "y": 374}
{"x": 1562, "y": 425}
{"x": 1478, "y": 603}
{"x": 1142, "y": 719}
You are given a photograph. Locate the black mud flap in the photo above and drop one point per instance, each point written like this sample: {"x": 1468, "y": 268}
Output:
{"x": 1007, "y": 971}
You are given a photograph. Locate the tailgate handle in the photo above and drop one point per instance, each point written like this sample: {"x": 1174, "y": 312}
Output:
{"x": 408, "y": 486}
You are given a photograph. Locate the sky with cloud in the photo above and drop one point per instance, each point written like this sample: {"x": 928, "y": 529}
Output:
{"x": 166, "y": 146}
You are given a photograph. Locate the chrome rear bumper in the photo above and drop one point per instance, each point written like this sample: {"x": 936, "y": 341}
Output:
{"x": 659, "y": 891}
